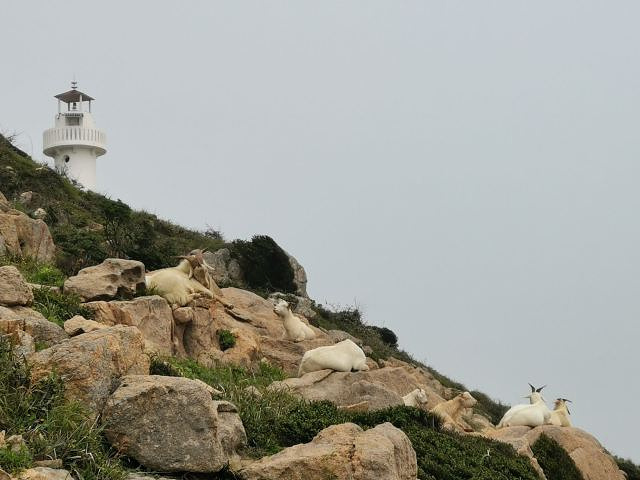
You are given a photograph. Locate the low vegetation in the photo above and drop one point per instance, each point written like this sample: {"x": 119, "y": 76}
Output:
{"x": 276, "y": 419}
{"x": 51, "y": 427}
{"x": 226, "y": 339}
{"x": 627, "y": 466}
{"x": 554, "y": 460}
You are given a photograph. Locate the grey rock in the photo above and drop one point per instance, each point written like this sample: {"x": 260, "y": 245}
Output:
{"x": 113, "y": 277}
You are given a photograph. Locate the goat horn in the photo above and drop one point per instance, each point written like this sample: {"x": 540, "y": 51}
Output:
{"x": 533, "y": 389}
{"x": 540, "y": 389}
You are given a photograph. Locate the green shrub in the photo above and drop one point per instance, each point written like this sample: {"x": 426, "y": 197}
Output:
{"x": 265, "y": 265}
{"x": 51, "y": 427}
{"x": 226, "y": 339}
{"x": 627, "y": 466}
{"x": 15, "y": 461}
{"x": 554, "y": 460}
{"x": 34, "y": 271}
{"x": 58, "y": 307}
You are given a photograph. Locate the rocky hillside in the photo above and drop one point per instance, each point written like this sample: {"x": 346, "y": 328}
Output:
{"x": 101, "y": 378}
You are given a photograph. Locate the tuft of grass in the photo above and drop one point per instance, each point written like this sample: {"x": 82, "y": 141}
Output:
{"x": 52, "y": 427}
{"x": 58, "y": 307}
{"x": 226, "y": 339}
{"x": 15, "y": 461}
{"x": 554, "y": 460}
{"x": 34, "y": 271}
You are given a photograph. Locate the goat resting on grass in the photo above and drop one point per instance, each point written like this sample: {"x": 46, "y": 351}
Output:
{"x": 415, "y": 398}
{"x": 451, "y": 411}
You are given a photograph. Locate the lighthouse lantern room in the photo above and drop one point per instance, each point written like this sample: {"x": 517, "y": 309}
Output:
{"x": 74, "y": 142}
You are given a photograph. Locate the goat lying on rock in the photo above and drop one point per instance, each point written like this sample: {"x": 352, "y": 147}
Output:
{"x": 451, "y": 411}
{"x": 560, "y": 413}
{"x": 177, "y": 284}
{"x": 295, "y": 328}
{"x": 416, "y": 398}
{"x": 344, "y": 356}
{"x": 533, "y": 415}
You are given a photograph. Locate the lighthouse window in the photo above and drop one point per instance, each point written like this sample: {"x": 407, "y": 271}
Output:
{"x": 66, "y": 159}
{"x": 72, "y": 121}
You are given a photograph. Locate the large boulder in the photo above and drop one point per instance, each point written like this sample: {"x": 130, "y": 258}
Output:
{"x": 114, "y": 277}
{"x": 78, "y": 325}
{"x": 593, "y": 461}
{"x": 92, "y": 363}
{"x": 299, "y": 277}
{"x": 14, "y": 291}
{"x": 225, "y": 270}
{"x": 152, "y": 315}
{"x": 24, "y": 319}
{"x": 258, "y": 331}
{"x": 377, "y": 389}
{"x": 342, "y": 451}
{"x": 21, "y": 235}
{"x": 172, "y": 424}
{"x": 44, "y": 473}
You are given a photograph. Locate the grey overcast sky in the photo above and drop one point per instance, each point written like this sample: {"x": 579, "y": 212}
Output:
{"x": 465, "y": 172}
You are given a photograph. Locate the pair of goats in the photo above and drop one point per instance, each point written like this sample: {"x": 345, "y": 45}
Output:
{"x": 537, "y": 413}
{"x": 188, "y": 281}
{"x": 450, "y": 412}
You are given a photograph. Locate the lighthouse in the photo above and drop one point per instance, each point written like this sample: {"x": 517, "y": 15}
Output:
{"x": 74, "y": 142}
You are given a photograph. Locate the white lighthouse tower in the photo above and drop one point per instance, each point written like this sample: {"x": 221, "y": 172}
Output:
{"x": 75, "y": 142}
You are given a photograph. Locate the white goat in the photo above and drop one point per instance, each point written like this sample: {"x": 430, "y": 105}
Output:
{"x": 533, "y": 415}
{"x": 416, "y": 398}
{"x": 451, "y": 411}
{"x": 176, "y": 284}
{"x": 296, "y": 329}
{"x": 560, "y": 413}
{"x": 344, "y": 356}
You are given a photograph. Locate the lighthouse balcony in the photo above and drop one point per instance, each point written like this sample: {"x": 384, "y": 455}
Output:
{"x": 72, "y": 136}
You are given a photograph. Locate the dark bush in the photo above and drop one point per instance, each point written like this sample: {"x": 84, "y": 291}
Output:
{"x": 627, "y": 466}
{"x": 554, "y": 460}
{"x": 265, "y": 265}
{"x": 387, "y": 335}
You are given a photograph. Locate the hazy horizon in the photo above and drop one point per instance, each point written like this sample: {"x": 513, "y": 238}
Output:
{"x": 467, "y": 174}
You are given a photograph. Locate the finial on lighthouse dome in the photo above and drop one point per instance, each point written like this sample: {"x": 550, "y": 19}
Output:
{"x": 74, "y": 142}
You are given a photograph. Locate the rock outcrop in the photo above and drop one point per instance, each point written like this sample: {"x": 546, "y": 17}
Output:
{"x": 32, "y": 323}
{"x": 44, "y": 473}
{"x": 342, "y": 451}
{"x": 226, "y": 270}
{"x": 378, "y": 388}
{"x": 14, "y": 291}
{"x": 172, "y": 424}
{"x": 78, "y": 325}
{"x": 92, "y": 363}
{"x": 113, "y": 278}
{"x": 151, "y": 315}
{"x": 21, "y": 235}
{"x": 593, "y": 461}
{"x": 299, "y": 277}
